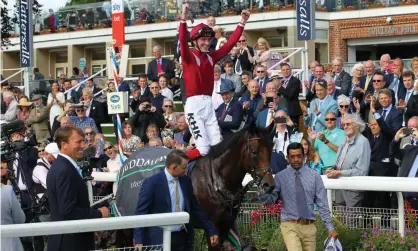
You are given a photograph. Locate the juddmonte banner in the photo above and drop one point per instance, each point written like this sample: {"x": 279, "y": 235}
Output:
{"x": 305, "y": 18}
{"x": 141, "y": 165}
{"x": 26, "y": 35}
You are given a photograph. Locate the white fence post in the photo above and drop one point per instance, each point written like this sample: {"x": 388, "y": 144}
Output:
{"x": 166, "y": 238}
{"x": 401, "y": 212}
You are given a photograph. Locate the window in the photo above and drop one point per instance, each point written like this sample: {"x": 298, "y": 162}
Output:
{"x": 61, "y": 57}
{"x": 138, "y": 69}
{"x": 137, "y": 52}
{"x": 98, "y": 54}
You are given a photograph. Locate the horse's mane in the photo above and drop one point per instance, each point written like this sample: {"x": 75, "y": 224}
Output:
{"x": 225, "y": 145}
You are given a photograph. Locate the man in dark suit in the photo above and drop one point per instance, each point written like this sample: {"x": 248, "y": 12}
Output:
{"x": 366, "y": 82}
{"x": 290, "y": 88}
{"x": 381, "y": 162}
{"x": 144, "y": 116}
{"x": 229, "y": 113}
{"x": 332, "y": 90}
{"x": 397, "y": 84}
{"x": 388, "y": 113}
{"x": 95, "y": 109}
{"x": 157, "y": 99}
{"x": 142, "y": 91}
{"x": 161, "y": 193}
{"x": 341, "y": 78}
{"x": 408, "y": 104}
{"x": 245, "y": 54}
{"x": 408, "y": 154}
{"x": 262, "y": 78}
{"x": 159, "y": 66}
{"x": 384, "y": 68}
{"x": 67, "y": 192}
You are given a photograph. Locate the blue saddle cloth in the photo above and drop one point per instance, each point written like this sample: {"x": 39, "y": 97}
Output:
{"x": 190, "y": 167}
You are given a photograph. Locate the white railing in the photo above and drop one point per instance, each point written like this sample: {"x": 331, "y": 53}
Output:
{"x": 359, "y": 183}
{"x": 165, "y": 221}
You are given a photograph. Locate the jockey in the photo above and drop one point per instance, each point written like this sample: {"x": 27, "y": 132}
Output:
{"x": 198, "y": 66}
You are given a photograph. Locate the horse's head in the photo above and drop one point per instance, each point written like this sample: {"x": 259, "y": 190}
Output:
{"x": 257, "y": 156}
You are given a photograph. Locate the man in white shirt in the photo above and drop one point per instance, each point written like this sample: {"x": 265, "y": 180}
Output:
{"x": 42, "y": 167}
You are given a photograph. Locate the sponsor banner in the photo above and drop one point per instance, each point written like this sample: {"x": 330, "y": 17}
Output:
{"x": 118, "y": 23}
{"x": 305, "y": 18}
{"x": 26, "y": 35}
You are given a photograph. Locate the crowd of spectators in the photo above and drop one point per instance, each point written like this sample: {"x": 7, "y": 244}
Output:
{"x": 346, "y": 124}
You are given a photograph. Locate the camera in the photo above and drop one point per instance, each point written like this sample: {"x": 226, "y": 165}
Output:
{"x": 269, "y": 100}
{"x": 147, "y": 106}
{"x": 280, "y": 120}
{"x": 9, "y": 148}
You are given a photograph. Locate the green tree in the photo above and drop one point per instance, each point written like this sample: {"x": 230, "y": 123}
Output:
{"x": 36, "y": 10}
{"x": 77, "y": 2}
{"x": 6, "y": 26}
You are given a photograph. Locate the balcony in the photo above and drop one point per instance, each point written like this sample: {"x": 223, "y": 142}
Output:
{"x": 98, "y": 15}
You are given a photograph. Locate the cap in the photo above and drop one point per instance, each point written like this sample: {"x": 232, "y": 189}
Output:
{"x": 36, "y": 97}
{"x": 226, "y": 86}
{"x": 275, "y": 75}
{"x": 80, "y": 105}
{"x": 53, "y": 149}
{"x": 201, "y": 30}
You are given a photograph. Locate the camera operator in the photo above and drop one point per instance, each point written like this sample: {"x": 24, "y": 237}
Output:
{"x": 42, "y": 167}
{"x": 144, "y": 116}
{"x": 67, "y": 192}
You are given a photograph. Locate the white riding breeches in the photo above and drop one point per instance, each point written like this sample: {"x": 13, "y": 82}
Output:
{"x": 201, "y": 118}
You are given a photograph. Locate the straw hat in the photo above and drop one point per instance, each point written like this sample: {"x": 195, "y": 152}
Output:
{"x": 24, "y": 102}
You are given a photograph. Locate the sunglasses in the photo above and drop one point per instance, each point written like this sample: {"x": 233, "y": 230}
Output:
{"x": 377, "y": 80}
{"x": 344, "y": 106}
{"x": 79, "y": 110}
{"x": 62, "y": 78}
{"x": 154, "y": 87}
{"x": 260, "y": 71}
{"x": 107, "y": 148}
{"x": 89, "y": 133}
{"x": 168, "y": 106}
{"x": 330, "y": 119}
{"x": 242, "y": 40}
{"x": 347, "y": 124}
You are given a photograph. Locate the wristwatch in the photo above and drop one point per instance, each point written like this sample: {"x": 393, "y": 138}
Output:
{"x": 326, "y": 141}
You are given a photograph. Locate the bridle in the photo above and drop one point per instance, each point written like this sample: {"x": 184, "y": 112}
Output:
{"x": 257, "y": 173}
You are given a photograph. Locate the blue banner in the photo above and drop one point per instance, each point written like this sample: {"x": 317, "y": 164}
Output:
{"x": 26, "y": 35}
{"x": 305, "y": 18}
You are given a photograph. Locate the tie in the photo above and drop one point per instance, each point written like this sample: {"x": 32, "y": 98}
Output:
{"x": 79, "y": 171}
{"x": 367, "y": 83}
{"x": 271, "y": 115}
{"x": 260, "y": 83}
{"x": 176, "y": 195}
{"x": 413, "y": 142}
{"x": 300, "y": 197}
{"x": 384, "y": 114}
{"x": 223, "y": 112}
{"x": 159, "y": 67}
{"x": 375, "y": 139}
{"x": 238, "y": 69}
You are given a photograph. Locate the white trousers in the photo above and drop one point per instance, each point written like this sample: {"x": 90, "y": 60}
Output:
{"x": 201, "y": 118}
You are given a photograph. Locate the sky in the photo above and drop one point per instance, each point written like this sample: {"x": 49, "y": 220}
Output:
{"x": 47, "y": 4}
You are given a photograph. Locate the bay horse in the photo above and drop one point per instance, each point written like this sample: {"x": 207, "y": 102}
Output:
{"x": 217, "y": 177}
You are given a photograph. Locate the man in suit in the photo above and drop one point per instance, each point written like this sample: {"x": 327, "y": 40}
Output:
{"x": 409, "y": 139}
{"x": 381, "y": 162}
{"x": 310, "y": 86}
{"x": 366, "y": 82}
{"x": 397, "y": 84}
{"x": 409, "y": 104}
{"x": 262, "y": 78}
{"x": 157, "y": 99}
{"x": 331, "y": 89}
{"x": 384, "y": 68}
{"x": 245, "y": 54}
{"x": 314, "y": 117}
{"x": 142, "y": 91}
{"x": 144, "y": 116}
{"x": 95, "y": 109}
{"x": 289, "y": 89}
{"x": 341, "y": 78}
{"x": 311, "y": 73}
{"x": 388, "y": 113}
{"x": 229, "y": 113}
{"x": 159, "y": 66}
{"x": 73, "y": 94}
{"x": 266, "y": 117}
{"x": 408, "y": 154}
{"x": 171, "y": 191}
{"x": 67, "y": 192}
{"x": 90, "y": 85}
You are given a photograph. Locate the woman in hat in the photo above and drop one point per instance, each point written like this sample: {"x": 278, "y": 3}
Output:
{"x": 198, "y": 68}
{"x": 24, "y": 108}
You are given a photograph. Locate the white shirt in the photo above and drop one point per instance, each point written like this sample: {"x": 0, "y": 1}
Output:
{"x": 167, "y": 93}
{"x": 280, "y": 145}
{"x": 20, "y": 183}
{"x": 88, "y": 109}
{"x": 217, "y": 98}
{"x": 115, "y": 164}
{"x": 40, "y": 172}
{"x": 72, "y": 161}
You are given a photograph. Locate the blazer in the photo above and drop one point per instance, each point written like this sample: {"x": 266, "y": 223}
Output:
{"x": 135, "y": 101}
{"x": 393, "y": 119}
{"x": 328, "y": 105}
{"x": 262, "y": 118}
{"x": 407, "y": 154}
{"x": 336, "y": 94}
{"x": 344, "y": 82}
{"x": 234, "y": 112}
{"x": 264, "y": 84}
{"x": 154, "y": 198}
{"x": 291, "y": 93}
{"x": 98, "y": 114}
{"x": 365, "y": 108}
{"x": 68, "y": 200}
{"x": 246, "y": 65}
{"x": 363, "y": 84}
{"x": 11, "y": 213}
{"x": 166, "y": 64}
{"x": 411, "y": 108}
{"x": 40, "y": 124}
{"x": 158, "y": 102}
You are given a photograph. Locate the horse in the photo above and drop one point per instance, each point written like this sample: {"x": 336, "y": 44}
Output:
{"x": 217, "y": 177}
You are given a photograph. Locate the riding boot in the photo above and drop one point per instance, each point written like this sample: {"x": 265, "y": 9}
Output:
{"x": 193, "y": 154}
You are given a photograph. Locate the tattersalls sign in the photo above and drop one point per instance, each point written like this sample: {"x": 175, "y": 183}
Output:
{"x": 26, "y": 35}
{"x": 305, "y": 18}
